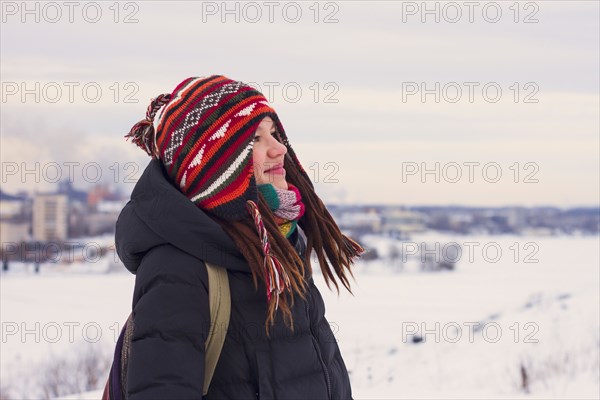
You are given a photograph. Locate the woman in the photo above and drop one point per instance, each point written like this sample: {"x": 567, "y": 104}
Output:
{"x": 224, "y": 186}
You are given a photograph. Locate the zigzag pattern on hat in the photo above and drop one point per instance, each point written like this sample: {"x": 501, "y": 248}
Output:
{"x": 192, "y": 118}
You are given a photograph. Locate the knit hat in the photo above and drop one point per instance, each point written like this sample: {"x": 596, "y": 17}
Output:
{"x": 204, "y": 138}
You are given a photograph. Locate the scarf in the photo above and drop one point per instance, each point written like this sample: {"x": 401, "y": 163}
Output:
{"x": 287, "y": 206}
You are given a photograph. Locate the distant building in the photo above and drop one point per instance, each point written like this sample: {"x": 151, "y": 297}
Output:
{"x": 104, "y": 205}
{"x": 100, "y": 196}
{"x": 460, "y": 217}
{"x": 403, "y": 221}
{"x": 11, "y": 206}
{"x": 100, "y": 223}
{"x": 104, "y": 219}
{"x": 50, "y": 217}
{"x": 110, "y": 206}
{"x": 12, "y": 231}
{"x": 77, "y": 208}
{"x": 15, "y": 226}
{"x": 73, "y": 195}
{"x": 516, "y": 217}
{"x": 542, "y": 231}
{"x": 361, "y": 221}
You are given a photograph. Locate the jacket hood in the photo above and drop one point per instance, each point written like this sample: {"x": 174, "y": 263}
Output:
{"x": 159, "y": 214}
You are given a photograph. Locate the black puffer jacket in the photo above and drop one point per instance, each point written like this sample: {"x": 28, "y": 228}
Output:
{"x": 163, "y": 238}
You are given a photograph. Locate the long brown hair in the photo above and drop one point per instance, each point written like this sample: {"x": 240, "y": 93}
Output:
{"x": 323, "y": 237}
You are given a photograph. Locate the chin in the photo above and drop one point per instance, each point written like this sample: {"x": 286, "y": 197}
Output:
{"x": 281, "y": 184}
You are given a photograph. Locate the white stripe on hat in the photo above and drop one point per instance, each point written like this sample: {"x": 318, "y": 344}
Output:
{"x": 219, "y": 181}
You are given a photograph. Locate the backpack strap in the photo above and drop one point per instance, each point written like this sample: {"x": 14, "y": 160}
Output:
{"x": 220, "y": 311}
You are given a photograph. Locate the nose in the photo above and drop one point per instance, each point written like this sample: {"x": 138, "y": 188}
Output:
{"x": 276, "y": 149}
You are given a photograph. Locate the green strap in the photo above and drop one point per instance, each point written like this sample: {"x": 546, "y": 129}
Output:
{"x": 220, "y": 310}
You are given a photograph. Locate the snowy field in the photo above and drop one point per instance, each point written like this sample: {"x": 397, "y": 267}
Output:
{"x": 521, "y": 323}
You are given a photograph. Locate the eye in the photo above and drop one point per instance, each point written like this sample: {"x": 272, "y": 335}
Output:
{"x": 274, "y": 134}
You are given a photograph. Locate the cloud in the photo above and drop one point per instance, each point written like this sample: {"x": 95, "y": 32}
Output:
{"x": 367, "y": 56}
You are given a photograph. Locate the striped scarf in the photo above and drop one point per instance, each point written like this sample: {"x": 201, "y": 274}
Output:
{"x": 287, "y": 206}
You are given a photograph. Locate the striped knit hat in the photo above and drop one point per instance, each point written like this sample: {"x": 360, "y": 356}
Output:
{"x": 204, "y": 138}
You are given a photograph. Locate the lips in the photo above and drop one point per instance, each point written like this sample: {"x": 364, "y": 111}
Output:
{"x": 275, "y": 167}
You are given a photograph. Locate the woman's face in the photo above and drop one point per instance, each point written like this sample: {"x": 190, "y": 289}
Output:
{"x": 268, "y": 154}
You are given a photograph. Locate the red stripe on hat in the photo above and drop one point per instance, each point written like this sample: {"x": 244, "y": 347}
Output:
{"x": 170, "y": 124}
{"x": 185, "y": 110}
{"x": 211, "y": 149}
{"x": 233, "y": 191}
{"x": 211, "y": 172}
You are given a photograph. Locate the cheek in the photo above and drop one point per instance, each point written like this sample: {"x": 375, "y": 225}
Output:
{"x": 258, "y": 159}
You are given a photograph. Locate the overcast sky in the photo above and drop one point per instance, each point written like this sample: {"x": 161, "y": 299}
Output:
{"x": 492, "y": 105}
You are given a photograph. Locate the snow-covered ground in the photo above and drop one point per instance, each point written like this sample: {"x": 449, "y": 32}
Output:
{"x": 529, "y": 312}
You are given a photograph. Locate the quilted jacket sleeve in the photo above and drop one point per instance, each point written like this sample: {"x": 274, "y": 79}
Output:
{"x": 171, "y": 321}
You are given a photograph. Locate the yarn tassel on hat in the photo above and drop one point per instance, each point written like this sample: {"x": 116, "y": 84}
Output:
{"x": 142, "y": 133}
{"x": 276, "y": 276}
